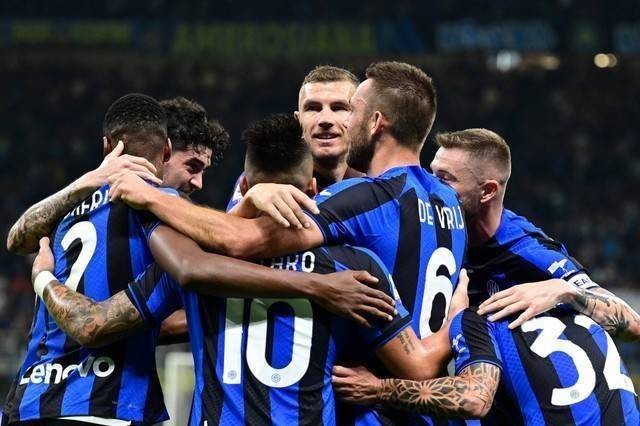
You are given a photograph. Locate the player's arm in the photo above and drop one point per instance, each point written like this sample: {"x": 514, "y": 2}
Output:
{"x": 91, "y": 323}
{"x": 41, "y": 218}
{"x": 347, "y": 293}
{"x": 217, "y": 231}
{"x": 174, "y": 329}
{"x": 286, "y": 204}
{"x": 408, "y": 357}
{"x": 88, "y": 322}
{"x": 608, "y": 310}
{"x": 604, "y": 307}
{"x": 468, "y": 395}
{"x": 84, "y": 320}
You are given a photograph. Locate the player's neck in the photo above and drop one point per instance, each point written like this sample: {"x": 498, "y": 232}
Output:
{"x": 331, "y": 171}
{"x": 390, "y": 154}
{"x": 484, "y": 226}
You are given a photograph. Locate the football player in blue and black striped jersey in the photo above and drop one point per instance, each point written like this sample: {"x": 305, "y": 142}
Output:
{"x": 559, "y": 368}
{"x": 405, "y": 215}
{"x": 96, "y": 246}
{"x": 401, "y": 212}
{"x": 511, "y": 261}
{"x": 259, "y": 361}
{"x": 323, "y": 106}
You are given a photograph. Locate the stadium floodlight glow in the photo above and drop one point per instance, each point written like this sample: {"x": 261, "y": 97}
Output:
{"x": 613, "y": 60}
{"x": 602, "y": 60}
{"x": 507, "y": 60}
{"x": 549, "y": 62}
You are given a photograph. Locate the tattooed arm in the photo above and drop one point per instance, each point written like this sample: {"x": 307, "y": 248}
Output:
{"x": 605, "y": 308}
{"x": 41, "y": 218}
{"x": 88, "y": 322}
{"x": 468, "y": 395}
{"x": 608, "y": 310}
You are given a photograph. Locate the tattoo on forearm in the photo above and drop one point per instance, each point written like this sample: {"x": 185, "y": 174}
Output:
{"x": 90, "y": 322}
{"x": 608, "y": 310}
{"x": 462, "y": 396}
{"x": 41, "y": 218}
{"x": 407, "y": 344}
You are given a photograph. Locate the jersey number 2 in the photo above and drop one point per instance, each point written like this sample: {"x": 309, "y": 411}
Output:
{"x": 86, "y": 233}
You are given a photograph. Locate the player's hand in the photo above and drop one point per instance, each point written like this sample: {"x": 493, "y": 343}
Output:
{"x": 356, "y": 385}
{"x": 349, "y": 294}
{"x": 460, "y": 298}
{"x": 531, "y": 299}
{"x": 116, "y": 162}
{"x": 130, "y": 188}
{"x": 44, "y": 261}
{"x": 284, "y": 203}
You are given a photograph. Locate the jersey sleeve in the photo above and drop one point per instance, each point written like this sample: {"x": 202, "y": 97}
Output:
{"x": 155, "y": 295}
{"x": 473, "y": 340}
{"x": 236, "y": 195}
{"x": 553, "y": 261}
{"x": 148, "y": 220}
{"x": 381, "y": 331}
{"x": 358, "y": 209}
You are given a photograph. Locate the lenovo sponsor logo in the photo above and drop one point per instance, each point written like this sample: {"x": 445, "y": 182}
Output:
{"x": 54, "y": 373}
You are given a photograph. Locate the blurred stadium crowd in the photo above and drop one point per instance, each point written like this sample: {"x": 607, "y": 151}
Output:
{"x": 572, "y": 131}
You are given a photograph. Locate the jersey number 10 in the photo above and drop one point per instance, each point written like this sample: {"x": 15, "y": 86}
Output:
{"x": 257, "y": 342}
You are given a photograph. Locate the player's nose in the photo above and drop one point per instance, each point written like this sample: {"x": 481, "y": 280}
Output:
{"x": 326, "y": 123}
{"x": 196, "y": 181}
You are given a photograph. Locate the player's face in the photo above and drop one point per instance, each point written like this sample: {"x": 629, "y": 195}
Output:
{"x": 184, "y": 169}
{"x": 451, "y": 165}
{"x": 322, "y": 110}
{"x": 358, "y": 128}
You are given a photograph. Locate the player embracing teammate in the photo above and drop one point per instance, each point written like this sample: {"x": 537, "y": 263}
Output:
{"x": 410, "y": 227}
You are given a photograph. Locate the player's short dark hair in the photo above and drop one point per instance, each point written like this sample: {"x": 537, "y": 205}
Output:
{"x": 485, "y": 146}
{"x": 189, "y": 127}
{"x": 406, "y": 96}
{"x": 329, "y": 74}
{"x": 275, "y": 145}
{"x": 139, "y": 121}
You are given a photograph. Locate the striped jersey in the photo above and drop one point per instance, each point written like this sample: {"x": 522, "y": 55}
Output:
{"x": 518, "y": 253}
{"x": 267, "y": 361}
{"x": 414, "y": 222}
{"x": 559, "y": 368}
{"x": 98, "y": 247}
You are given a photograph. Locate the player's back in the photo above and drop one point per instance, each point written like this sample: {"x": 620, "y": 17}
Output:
{"x": 103, "y": 244}
{"x": 559, "y": 368}
{"x": 269, "y": 361}
{"x": 414, "y": 222}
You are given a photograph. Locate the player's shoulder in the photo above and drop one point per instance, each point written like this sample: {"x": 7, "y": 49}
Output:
{"x": 392, "y": 181}
{"x": 516, "y": 228}
{"x": 426, "y": 183}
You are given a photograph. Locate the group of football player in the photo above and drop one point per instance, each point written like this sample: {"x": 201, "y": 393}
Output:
{"x": 336, "y": 288}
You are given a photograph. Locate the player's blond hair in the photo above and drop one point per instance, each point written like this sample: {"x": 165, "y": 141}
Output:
{"x": 485, "y": 147}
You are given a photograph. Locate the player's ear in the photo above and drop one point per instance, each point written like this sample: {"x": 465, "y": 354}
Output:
{"x": 166, "y": 153}
{"x": 312, "y": 189}
{"x": 296, "y": 115}
{"x": 490, "y": 190}
{"x": 106, "y": 146}
{"x": 244, "y": 185}
{"x": 378, "y": 122}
